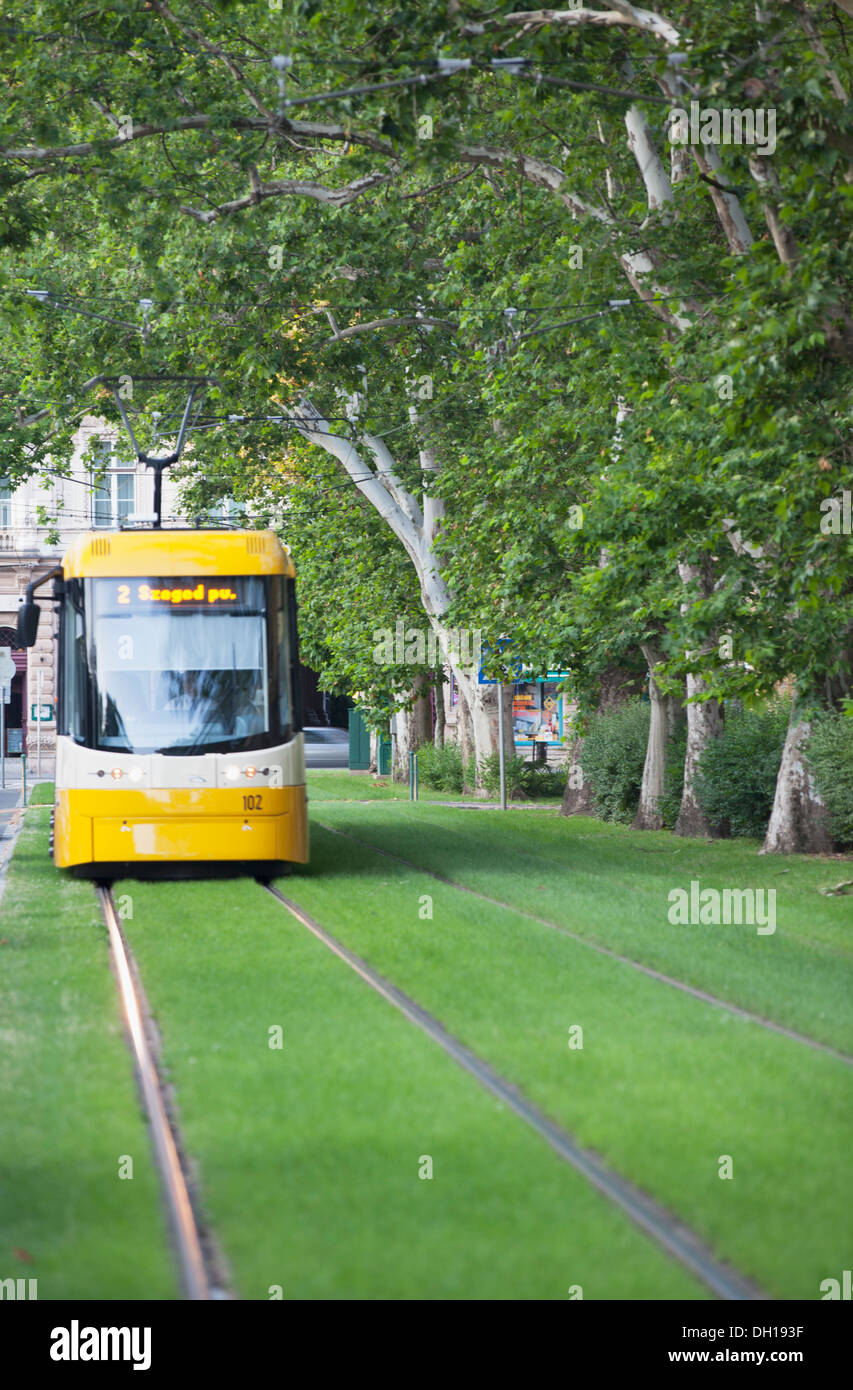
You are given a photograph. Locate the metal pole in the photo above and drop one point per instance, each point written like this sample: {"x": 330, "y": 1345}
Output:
{"x": 23, "y": 779}
{"x": 501, "y": 758}
{"x": 38, "y": 722}
{"x": 158, "y": 495}
{"x": 3, "y": 736}
{"x": 413, "y": 776}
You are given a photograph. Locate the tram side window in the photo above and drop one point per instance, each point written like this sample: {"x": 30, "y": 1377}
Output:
{"x": 74, "y": 674}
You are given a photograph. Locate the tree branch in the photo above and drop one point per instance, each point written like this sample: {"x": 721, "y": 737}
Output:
{"x": 622, "y": 15}
{"x": 308, "y": 129}
{"x": 638, "y": 265}
{"x": 316, "y": 430}
{"x": 396, "y": 321}
{"x": 385, "y": 464}
{"x": 297, "y": 188}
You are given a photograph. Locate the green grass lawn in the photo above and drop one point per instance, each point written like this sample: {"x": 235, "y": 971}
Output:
{"x": 309, "y": 1154}
{"x": 665, "y": 1084}
{"x": 611, "y": 885}
{"x": 68, "y": 1103}
{"x": 327, "y": 784}
{"x": 41, "y": 794}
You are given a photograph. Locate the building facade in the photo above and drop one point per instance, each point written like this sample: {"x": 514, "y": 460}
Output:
{"x": 38, "y": 520}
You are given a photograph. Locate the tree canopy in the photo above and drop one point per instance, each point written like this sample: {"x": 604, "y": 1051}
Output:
{"x": 544, "y": 359}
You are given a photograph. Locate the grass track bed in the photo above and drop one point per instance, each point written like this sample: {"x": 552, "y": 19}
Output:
{"x": 68, "y": 1102}
{"x": 309, "y": 1155}
{"x": 664, "y": 1086}
{"x": 611, "y": 885}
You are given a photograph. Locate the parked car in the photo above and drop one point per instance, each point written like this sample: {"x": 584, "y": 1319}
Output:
{"x": 326, "y": 747}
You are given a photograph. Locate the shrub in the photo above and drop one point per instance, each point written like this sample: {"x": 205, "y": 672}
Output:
{"x": 470, "y": 776}
{"x": 614, "y": 752}
{"x": 440, "y": 768}
{"x": 490, "y": 773}
{"x": 523, "y": 779}
{"x": 830, "y": 754}
{"x": 673, "y": 778}
{"x": 538, "y": 779}
{"x": 736, "y": 777}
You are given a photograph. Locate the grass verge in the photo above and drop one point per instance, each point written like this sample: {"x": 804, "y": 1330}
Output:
{"x": 41, "y": 794}
{"x": 327, "y": 784}
{"x": 69, "y": 1108}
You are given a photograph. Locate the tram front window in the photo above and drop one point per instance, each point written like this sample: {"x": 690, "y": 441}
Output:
{"x": 180, "y": 665}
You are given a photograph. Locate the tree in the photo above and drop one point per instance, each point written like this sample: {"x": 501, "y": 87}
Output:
{"x": 170, "y": 159}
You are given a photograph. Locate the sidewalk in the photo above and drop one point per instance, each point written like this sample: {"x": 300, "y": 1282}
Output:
{"x": 11, "y": 816}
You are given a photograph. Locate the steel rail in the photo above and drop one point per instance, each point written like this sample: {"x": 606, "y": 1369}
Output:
{"x": 693, "y": 990}
{"x": 191, "y": 1262}
{"x": 663, "y": 1228}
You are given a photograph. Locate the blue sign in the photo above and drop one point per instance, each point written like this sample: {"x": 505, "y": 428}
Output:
{"x": 514, "y": 673}
{"x": 519, "y": 671}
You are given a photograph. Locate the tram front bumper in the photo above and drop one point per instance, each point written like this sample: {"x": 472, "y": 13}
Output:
{"x": 161, "y": 826}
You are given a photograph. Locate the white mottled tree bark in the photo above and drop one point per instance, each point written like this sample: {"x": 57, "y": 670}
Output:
{"x": 798, "y": 821}
{"x": 415, "y": 526}
{"x": 648, "y": 815}
{"x": 412, "y": 729}
{"x": 704, "y": 723}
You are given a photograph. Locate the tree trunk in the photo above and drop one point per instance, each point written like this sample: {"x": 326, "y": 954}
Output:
{"x": 509, "y": 736}
{"x": 412, "y": 729}
{"x": 648, "y": 816}
{"x": 422, "y": 716}
{"x": 464, "y": 733}
{"x": 704, "y": 722}
{"x": 704, "y": 719}
{"x": 440, "y": 716}
{"x": 798, "y": 821}
{"x": 481, "y": 707}
{"x": 577, "y": 796}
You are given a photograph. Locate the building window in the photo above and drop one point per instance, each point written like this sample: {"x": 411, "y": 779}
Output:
{"x": 5, "y": 504}
{"x": 114, "y": 487}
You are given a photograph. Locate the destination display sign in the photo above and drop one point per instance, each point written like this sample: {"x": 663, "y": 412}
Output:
{"x": 217, "y": 592}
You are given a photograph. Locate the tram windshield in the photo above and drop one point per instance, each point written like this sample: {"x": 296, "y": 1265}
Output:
{"x": 181, "y": 665}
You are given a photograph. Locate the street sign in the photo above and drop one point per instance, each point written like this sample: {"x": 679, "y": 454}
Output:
{"x": 515, "y": 670}
{"x": 46, "y": 716}
{"x": 7, "y": 665}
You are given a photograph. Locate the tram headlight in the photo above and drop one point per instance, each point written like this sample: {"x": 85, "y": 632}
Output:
{"x": 116, "y": 774}
{"x": 232, "y": 773}
{"x": 135, "y": 774}
{"x": 250, "y": 771}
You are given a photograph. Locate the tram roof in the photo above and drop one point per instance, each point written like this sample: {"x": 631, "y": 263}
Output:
{"x": 156, "y": 553}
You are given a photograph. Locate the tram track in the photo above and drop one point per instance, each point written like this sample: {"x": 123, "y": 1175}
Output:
{"x": 197, "y": 1264}
{"x": 665, "y": 1229}
{"x": 702, "y": 995}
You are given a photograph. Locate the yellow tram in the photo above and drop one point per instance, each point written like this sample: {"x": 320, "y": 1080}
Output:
{"x": 179, "y": 744}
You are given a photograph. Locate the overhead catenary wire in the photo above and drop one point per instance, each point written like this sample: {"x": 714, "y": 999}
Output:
{"x": 300, "y": 422}
{"x": 62, "y": 300}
